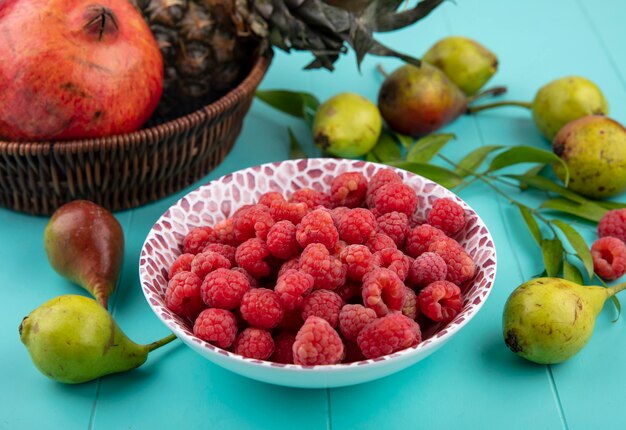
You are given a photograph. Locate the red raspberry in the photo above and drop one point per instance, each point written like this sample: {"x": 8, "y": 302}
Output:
{"x": 416, "y": 220}
{"x": 253, "y": 282}
{"x": 358, "y": 260}
{"x": 281, "y": 240}
{"x": 254, "y": 343}
{"x": 227, "y": 251}
{"x": 283, "y": 347}
{"x": 225, "y": 232}
{"x": 183, "y": 295}
{"x": 216, "y": 326}
{"x": 253, "y": 255}
{"x": 388, "y": 334}
{"x": 357, "y": 225}
{"x": 609, "y": 257}
{"x": 419, "y": 239}
{"x": 379, "y": 241}
{"x": 312, "y": 198}
{"x": 459, "y": 265}
{"x": 426, "y": 269}
{"x": 224, "y": 288}
{"x": 291, "y": 288}
{"x": 383, "y": 291}
{"x": 395, "y": 197}
{"x": 197, "y": 239}
{"x": 394, "y": 260}
{"x": 353, "y": 353}
{"x": 380, "y": 179}
{"x": 292, "y": 320}
{"x": 294, "y": 263}
{"x": 261, "y": 308}
{"x": 410, "y": 308}
{"x": 270, "y": 197}
{"x": 338, "y": 213}
{"x": 327, "y": 271}
{"x": 613, "y": 223}
{"x": 348, "y": 189}
{"x": 447, "y": 215}
{"x": 353, "y": 318}
{"x": 440, "y": 301}
{"x": 349, "y": 292}
{"x": 253, "y": 221}
{"x": 395, "y": 225}
{"x": 317, "y": 343}
{"x": 293, "y": 212}
{"x": 181, "y": 264}
{"x": 338, "y": 249}
{"x": 206, "y": 262}
{"x": 317, "y": 227}
{"x": 324, "y": 304}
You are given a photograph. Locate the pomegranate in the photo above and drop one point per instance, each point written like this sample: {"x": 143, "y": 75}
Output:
{"x": 74, "y": 69}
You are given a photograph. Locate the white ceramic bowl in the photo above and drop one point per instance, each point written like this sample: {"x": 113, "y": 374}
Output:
{"x": 220, "y": 198}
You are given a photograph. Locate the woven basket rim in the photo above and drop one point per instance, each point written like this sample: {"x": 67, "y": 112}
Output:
{"x": 212, "y": 110}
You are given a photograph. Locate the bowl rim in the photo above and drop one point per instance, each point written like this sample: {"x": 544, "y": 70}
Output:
{"x": 212, "y": 110}
{"x": 425, "y": 346}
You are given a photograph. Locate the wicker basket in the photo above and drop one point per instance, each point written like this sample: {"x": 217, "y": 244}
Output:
{"x": 130, "y": 170}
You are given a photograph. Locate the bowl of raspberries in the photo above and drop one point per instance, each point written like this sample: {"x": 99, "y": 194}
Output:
{"x": 318, "y": 272}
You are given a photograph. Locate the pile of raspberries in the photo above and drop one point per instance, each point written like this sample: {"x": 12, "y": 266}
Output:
{"x": 609, "y": 251}
{"x": 320, "y": 278}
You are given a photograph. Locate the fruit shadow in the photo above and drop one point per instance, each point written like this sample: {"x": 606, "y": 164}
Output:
{"x": 498, "y": 358}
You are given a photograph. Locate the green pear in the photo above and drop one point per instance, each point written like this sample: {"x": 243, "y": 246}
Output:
{"x": 558, "y": 103}
{"x": 85, "y": 244}
{"x": 73, "y": 339}
{"x": 549, "y": 320}
{"x": 347, "y": 125}
{"x": 417, "y": 101}
{"x": 466, "y": 62}
{"x": 594, "y": 149}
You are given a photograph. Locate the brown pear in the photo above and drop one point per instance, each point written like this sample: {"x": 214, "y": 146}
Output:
{"x": 417, "y": 101}
{"x": 85, "y": 244}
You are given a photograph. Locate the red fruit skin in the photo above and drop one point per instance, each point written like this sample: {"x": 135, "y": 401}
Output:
{"x": 418, "y": 101}
{"x": 63, "y": 79}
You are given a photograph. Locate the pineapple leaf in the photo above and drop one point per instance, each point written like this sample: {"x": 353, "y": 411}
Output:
{"x": 395, "y": 21}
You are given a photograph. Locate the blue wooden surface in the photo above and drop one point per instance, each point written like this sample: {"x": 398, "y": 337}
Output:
{"x": 473, "y": 382}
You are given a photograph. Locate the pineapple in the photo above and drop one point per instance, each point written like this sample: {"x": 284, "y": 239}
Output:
{"x": 208, "y": 45}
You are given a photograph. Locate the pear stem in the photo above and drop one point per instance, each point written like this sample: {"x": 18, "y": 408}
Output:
{"x": 616, "y": 289}
{"x": 495, "y": 91}
{"x": 474, "y": 109}
{"x": 159, "y": 343}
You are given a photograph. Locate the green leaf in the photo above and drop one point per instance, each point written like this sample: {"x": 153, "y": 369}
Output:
{"x": 578, "y": 243}
{"x": 588, "y": 210}
{"x": 386, "y": 149}
{"x": 474, "y": 159}
{"x": 441, "y": 175}
{"x": 571, "y": 273}
{"x": 611, "y": 205}
{"x": 531, "y": 222}
{"x": 427, "y": 147}
{"x": 552, "y": 251}
{"x": 527, "y": 154}
{"x": 405, "y": 141}
{"x": 370, "y": 156}
{"x": 545, "y": 184}
{"x": 298, "y": 104}
{"x": 533, "y": 171}
{"x": 618, "y": 307}
{"x": 295, "y": 149}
